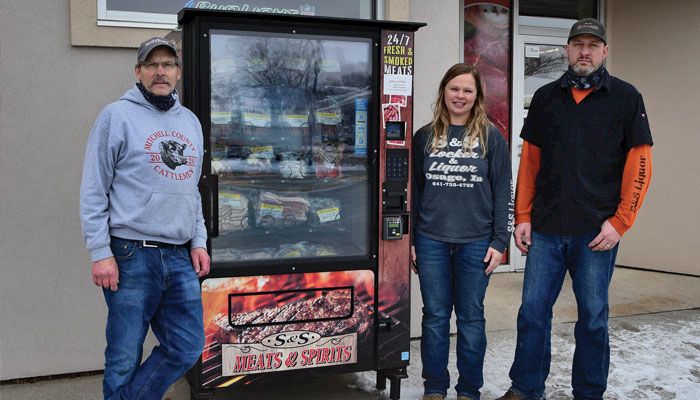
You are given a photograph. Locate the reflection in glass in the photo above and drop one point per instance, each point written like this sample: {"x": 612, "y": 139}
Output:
{"x": 543, "y": 64}
{"x": 288, "y": 137}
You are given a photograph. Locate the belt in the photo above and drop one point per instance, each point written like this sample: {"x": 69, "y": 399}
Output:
{"x": 155, "y": 243}
{"x": 160, "y": 245}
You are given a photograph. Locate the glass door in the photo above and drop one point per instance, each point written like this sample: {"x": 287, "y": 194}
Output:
{"x": 538, "y": 60}
{"x": 288, "y": 142}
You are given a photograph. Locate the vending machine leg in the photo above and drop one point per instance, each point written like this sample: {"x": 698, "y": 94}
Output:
{"x": 394, "y": 376}
{"x": 381, "y": 380}
{"x": 395, "y": 389}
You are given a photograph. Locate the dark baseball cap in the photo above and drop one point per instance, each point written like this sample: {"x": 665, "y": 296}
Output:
{"x": 150, "y": 44}
{"x": 588, "y": 26}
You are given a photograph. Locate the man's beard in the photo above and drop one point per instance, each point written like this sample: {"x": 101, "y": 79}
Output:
{"x": 585, "y": 71}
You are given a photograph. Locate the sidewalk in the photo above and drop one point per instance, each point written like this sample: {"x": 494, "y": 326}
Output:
{"x": 655, "y": 351}
{"x": 654, "y": 356}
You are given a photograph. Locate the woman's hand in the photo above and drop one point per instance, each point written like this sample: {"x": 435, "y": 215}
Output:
{"x": 493, "y": 259}
{"x": 414, "y": 267}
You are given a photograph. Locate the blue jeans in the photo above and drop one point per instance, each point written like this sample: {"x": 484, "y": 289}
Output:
{"x": 548, "y": 259}
{"x": 157, "y": 287}
{"x": 452, "y": 275}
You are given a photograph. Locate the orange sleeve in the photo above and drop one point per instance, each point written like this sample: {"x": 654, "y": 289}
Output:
{"x": 635, "y": 182}
{"x": 527, "y": 175}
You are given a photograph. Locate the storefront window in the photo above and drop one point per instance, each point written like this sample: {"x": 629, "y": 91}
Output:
{"x": 570, "y": 9}
{"x": 163, "y": 13}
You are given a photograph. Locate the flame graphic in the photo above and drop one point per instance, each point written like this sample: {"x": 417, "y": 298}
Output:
{"x": 215, "y": 293}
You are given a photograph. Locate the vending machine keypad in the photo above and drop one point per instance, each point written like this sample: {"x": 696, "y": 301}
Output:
{"x": 397, "y": 165}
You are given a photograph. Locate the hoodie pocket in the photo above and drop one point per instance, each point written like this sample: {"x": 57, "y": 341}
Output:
{"x": 169, "y": 216}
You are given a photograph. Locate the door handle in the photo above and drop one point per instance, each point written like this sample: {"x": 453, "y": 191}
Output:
{"x": 209, "y": 191}
{"x": 215, "y": 205}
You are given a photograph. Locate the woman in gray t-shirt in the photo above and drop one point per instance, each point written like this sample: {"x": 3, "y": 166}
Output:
{"x": 461, "y": 218}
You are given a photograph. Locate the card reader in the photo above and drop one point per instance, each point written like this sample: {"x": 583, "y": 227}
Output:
{"x": 392, "y": 227}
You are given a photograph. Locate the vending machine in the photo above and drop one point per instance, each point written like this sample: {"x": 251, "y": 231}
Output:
{"x": 307, "y": 126}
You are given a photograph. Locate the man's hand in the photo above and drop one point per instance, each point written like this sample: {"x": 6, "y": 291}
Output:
{"x": 414, "y": 267}
{"x": 105, "y": 273}
{"x": 493, "y": 258}
{"x": 200, "y": 261}
{"x": 522, "y": 235}
{"x": 606, "y": 239}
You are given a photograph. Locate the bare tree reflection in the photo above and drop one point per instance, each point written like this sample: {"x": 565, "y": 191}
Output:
{"x": 286, "y": 71}
{"x": 550, "y": 61}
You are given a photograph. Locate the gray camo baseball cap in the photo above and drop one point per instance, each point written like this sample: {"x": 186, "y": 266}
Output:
{"x": 150, "y": 44}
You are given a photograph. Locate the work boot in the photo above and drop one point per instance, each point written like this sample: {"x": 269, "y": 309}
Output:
{"x": 511, "y": 395}
{"x": 433, "y": 396}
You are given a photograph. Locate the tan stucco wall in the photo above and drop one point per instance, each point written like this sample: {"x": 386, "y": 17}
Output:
{"x": 654, "y": 45}
{"x": 438, "y": 47}
{"x": 396, "y": 10}
{"x": 52, "y": 316}
{"x": 84, "y": 30}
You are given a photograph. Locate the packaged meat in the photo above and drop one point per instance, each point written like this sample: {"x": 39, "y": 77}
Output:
{"x": 292, "y": 165}
{"x": 324, "y": 211}
{"x": 233, "y": 211}
{"x": 280, "y": 210}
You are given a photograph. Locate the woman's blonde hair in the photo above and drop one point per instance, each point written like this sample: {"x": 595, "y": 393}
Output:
{"x": 477, "y": 123}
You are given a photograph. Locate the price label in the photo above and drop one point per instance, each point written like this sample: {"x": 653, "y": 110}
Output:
{"x": 273, "y": 210}
{"x": 230, "y": 199}
{"x": 328, "y": 214}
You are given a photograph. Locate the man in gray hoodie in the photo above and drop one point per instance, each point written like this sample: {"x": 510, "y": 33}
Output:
{"x": 142, "y": 223}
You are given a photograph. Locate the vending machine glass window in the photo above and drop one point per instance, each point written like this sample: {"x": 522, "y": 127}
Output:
{"x": 289, "y": 145}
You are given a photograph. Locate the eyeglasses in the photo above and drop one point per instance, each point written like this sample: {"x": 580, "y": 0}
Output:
{"x": 167, "y": 66}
